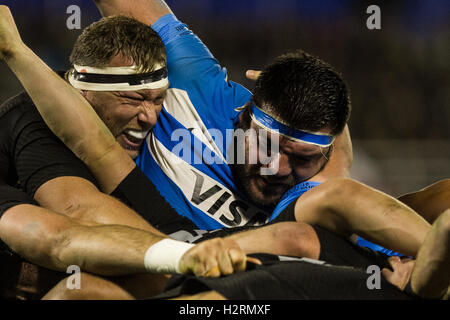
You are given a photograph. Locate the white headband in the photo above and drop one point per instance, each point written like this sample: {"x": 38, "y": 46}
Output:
{"x": 117, "y": 78}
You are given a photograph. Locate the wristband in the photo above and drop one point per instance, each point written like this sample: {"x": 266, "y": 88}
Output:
{"x": 165, "y": 255}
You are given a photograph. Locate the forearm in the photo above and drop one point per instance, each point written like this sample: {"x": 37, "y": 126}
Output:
{"x": 146, "y": 11}
{"x": 431, "y": 274}
{"x": 70, "y": 117}
{"x": 431, "y": 201}
{"x": 346, "y": 206}
{"x": 382, "y": 219}
{"x": 105, "y": 249}
{"x": 105, "y": 209}
{"x": 55, "y": 241}
{"x": 63, "y": 108}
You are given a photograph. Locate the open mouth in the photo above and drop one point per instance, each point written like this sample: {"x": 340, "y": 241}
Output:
{"x": 134, "y": 138}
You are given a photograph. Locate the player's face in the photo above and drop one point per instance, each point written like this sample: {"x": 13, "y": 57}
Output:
{"x": 129, "y": 115}
{"x": 293, "y": 163}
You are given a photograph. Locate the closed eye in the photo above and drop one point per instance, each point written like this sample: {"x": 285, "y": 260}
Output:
{"x": 303, "y": 159}
{"x": 159, "y": 101}
{"x": 134, "y": 98}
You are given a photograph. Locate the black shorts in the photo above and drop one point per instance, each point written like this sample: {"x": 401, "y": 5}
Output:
{"x": 289, "y": 280}
{"x": 342, "y": 274}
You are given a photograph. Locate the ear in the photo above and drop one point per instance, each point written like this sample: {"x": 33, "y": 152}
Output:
{"x": 244, "y": 109}
{"x": 83, "y": 93}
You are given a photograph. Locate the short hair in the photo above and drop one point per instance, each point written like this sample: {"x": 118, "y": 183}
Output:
{"x": 303, "y": 92}
{"x": 104, "y": 39}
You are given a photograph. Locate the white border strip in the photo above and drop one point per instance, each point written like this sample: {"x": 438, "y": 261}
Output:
{"x": 116, "y": 86}
{"x": 113, "y": 70}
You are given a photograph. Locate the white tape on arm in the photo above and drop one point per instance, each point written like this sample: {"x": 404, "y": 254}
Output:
{"x": 165, "y": 255}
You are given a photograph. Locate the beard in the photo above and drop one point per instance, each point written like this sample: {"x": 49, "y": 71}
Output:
{"x": 259, "y": 189}
{"x": 264, "y": 190}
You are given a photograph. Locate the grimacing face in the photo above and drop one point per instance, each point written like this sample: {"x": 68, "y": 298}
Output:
{"x": 296, "y": 162}
{"x": 129, "y": 115}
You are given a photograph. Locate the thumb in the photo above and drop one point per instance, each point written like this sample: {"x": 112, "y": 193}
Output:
{"x": 252, "y": 74}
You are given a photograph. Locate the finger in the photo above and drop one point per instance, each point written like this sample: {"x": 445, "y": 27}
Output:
{"x": 387, "y": 273}
{"x": 252, "y": 74}
{"x": 225, "y": 262}
{"x": 196, "y": 262}
{"x": 394, "y": 261}
{"x": 254, "y": 260}
{"x": 190, "y": 265}
{"x": 213, "y": 272}
{"x": 211, "y": 266}
{"x": 238, "y": 259}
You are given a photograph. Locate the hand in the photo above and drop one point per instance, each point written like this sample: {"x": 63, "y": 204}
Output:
{"x": 252, "y": 74}
{"x": 215, "y": 257}
{"x": 402, "y": 271}
{"x": 9, "y": 35}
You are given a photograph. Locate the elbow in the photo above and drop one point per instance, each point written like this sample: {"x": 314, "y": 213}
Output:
{"x": 32, "y": 236}
{"x": 61, "y": 243}
{"x": 443, "y": 226}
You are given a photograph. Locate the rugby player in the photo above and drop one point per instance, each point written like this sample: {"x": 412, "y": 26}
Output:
{"x": 32, "y": 157}
{"x": 331, "y": 205}
{"x": 83, "y": 141}
{"x": 427, "y": 277}
{"x": 48, "y": 172}
{"x": 201, "y": 100}
{"x": 110, "y": 164}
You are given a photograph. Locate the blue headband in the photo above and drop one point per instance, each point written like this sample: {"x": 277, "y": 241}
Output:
{"x": 269, "y": 123}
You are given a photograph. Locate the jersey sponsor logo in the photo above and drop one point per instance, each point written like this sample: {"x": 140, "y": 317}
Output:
{"x": 239, "y": 212}
{"x": 206, "y": 192}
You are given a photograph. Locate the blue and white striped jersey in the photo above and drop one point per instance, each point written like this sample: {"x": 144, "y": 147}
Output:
{"x": 186, "y": 155}
{"x": 197, "y": 118}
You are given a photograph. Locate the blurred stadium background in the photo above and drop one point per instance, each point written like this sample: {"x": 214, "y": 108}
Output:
{"x": 399, "y": 76}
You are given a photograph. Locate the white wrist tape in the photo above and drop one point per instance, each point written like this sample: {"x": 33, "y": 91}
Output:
{"x": 165, "y": 255}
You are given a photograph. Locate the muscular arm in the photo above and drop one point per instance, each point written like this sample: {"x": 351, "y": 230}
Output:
{"x": 346, "y": 206}
{"x": 69, "y": 116}
{"x": 146, "y": 11}
{"x": 431, "y": 201}
{"x": 79, "y": 199}
{"x": 64, "y": 110}
{"x": 56, "y": 241}
{"x": 431, "y": 274}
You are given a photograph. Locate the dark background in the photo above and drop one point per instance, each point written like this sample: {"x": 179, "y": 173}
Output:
{"x": 399, "y": 76}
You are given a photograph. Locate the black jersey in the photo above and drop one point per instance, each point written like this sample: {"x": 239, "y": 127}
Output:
{"x": 30, "y": 154}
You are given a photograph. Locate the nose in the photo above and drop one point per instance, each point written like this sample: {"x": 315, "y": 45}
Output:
{"x": 148, "y": 115}
{"x": 279, "y": 166}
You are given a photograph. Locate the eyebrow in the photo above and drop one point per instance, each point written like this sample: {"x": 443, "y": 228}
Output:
{"x": 130, "y": 94}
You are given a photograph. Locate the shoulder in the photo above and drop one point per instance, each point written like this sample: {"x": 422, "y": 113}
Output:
{"x": 16, "y": 105}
